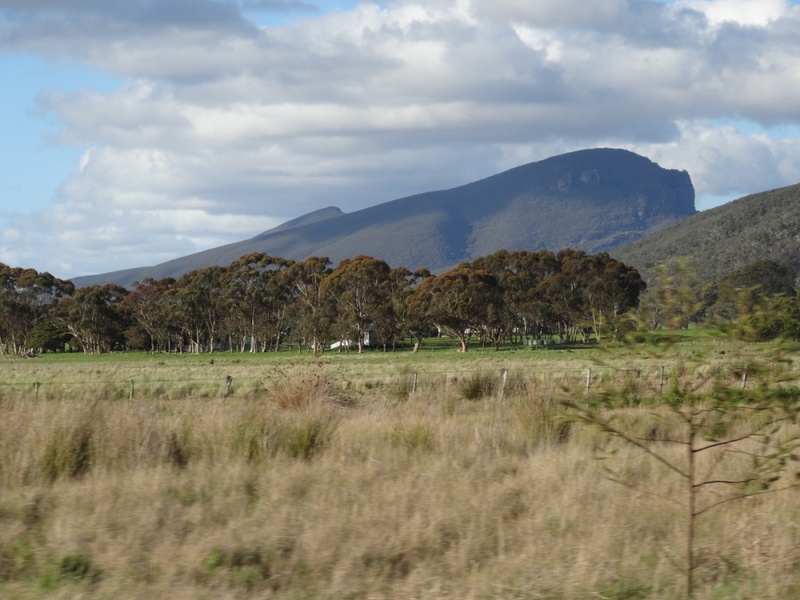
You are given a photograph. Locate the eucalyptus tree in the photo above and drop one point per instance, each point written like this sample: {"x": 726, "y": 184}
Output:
{"x": 93, "y": 317}
{"x": 396, "y": 320}
{"x": 521, "y": 275}
{"x": 258, "y": 300}
{"x": 16, "y": 315}
{"x": 611, "y": 293}
{"x": 312, "y": 307}
{"x": 590, "y": 292}
{"x": 198, "y": 306}
{"x": 360, "y": 288}
{"x": 459, "y": 302}
{"x": 26, "y": 296}
{"x": 148, "y": 305}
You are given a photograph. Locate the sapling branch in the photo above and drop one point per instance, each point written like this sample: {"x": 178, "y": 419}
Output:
{"x": 659, "y": 440}
{"x": 708, "y": 431}
{"x": 744, "y": 496}
{"x": 725, "y": 481}
{"x": 639, "y": 490}
{"x": 745, "y": 436}
{"x": 616, "y": 432}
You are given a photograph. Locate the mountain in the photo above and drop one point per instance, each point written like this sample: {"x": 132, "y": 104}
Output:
{"x": 764, "y": 226}
{"x": 594, "y": 200}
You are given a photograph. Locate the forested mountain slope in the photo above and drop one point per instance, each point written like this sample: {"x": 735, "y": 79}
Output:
{"x": 764, "y": 226}
{"x": 593, "y": 200}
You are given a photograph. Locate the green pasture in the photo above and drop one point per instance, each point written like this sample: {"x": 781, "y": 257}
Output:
{"x": 648, "y": 358}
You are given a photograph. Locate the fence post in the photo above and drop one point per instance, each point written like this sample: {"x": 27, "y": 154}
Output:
{"x": 130, "y": 396}
{"x": 744, "y": 379}
{"x": 36, "y": 385}
{"x": 414, "y": 384}
{"x": 503, "y": 378}
{"x": 588, "y": 378}
{"x": 661, "y": 382}
{"x": 228, "y": 382}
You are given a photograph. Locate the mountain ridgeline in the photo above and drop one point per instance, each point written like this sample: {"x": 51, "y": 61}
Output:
{"x": 722, "y": 240}
{"x": 593, "y": 200}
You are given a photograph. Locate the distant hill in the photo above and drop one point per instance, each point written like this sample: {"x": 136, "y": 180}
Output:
{"x": 595, "y": 200}
{"x": 764, "y": 226}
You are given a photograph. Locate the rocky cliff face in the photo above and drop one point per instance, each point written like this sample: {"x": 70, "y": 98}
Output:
{"x": 594, "y": 200}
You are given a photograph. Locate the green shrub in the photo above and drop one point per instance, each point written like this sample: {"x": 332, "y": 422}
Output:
{"x": 16, "y": 559}
{"x": 303, "y": 439}
{"x": 543, "y": 418}
{"x": 417, "y": 436}
{"x": 243, "y": 567}
{"x": 71, "y": 568}
{"x": 477, "y": 386}
{"x": 77, "y": 567}
{"x": 625, "y": 589}
{"x": 68, "y": 452}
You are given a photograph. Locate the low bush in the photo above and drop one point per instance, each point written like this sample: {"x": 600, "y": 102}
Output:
{"x": 302, "y": 387}
{"x": 477, "y": 386}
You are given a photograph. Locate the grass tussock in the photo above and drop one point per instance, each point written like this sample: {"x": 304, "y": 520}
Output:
{"x": 303, "y": 387}
{"x": 431, "y": 493}
{"x": 477, "y": 386}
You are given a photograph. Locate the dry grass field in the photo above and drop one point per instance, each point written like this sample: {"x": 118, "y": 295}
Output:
{"x": 356, "y": 477}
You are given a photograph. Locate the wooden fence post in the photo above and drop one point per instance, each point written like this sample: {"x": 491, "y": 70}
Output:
{"x": 503, "y": 378}
{"x": 744, "y": 379}
{"x": 130, "y": 396}
{"x": 588, "y": 379}
{"x": 414, "y": 384}
{"x": 661, "y": 382}
{"x": 228, "y": 382}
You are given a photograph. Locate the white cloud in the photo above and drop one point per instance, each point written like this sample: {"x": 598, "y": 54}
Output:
{"x": 726, "y": 162}
{"x": 741, "y": 12}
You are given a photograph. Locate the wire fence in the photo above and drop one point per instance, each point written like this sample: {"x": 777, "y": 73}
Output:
{"x": 641, "y": 382}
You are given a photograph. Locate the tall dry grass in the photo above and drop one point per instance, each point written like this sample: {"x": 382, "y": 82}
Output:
{"x": 308, "y": 490}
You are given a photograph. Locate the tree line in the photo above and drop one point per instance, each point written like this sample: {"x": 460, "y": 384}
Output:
{"x": 260, "y": 303}
{"x": 757, "y": 302}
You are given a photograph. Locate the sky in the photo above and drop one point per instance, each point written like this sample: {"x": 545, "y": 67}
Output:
{"x": 133, "y": 132}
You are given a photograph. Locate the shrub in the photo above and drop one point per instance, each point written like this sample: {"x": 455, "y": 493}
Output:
{"x": 16, "y": 559}
{"x": 245, "y": 566}
{"x": 68, "y": 452}
{"x": 303, "y": 435}
{"x": 415, "y": 436}
{"x": 74, "y": 567}
{"x": 77, "y": 567}
{"x": 477, "y": 386}
{"x": 302, "y": 387}
{"x": 543, "y": 418}
{"x": 307, "y": 437}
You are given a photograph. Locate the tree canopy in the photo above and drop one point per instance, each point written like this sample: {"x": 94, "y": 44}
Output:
{"x": 260, "y": 302}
